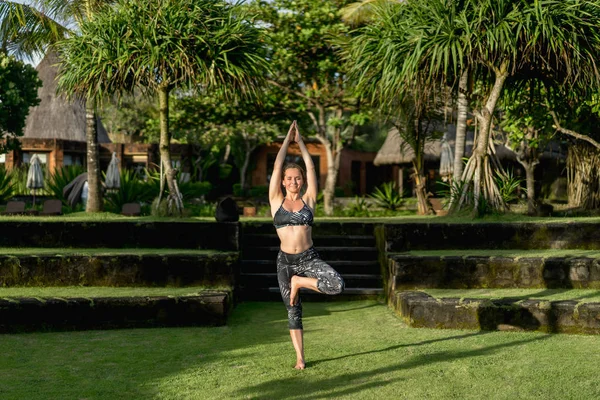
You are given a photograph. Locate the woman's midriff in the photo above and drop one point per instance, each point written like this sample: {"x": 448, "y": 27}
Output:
{"x": 295, "y": 239}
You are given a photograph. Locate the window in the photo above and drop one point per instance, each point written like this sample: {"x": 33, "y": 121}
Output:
{"x": 28, "y": 155}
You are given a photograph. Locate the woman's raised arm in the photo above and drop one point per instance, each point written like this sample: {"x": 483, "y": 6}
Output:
{"x": 310, "y": 196}
{"x": 275, "y": 192}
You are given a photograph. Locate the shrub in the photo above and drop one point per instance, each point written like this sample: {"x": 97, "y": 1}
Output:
{"x": 259, "y": 191}
{"x": 359, "y": 208}
{"x": 60, "y": 178}
{"x": 387, "y": 196}
{"x": 132, "y": 190}
{"x": 7, "y": 186}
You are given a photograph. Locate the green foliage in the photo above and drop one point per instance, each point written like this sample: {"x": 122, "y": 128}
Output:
{"x": 238, "y": 190}
{"x": 7, "y": 187}
{"x": 159, "y": 45}
{"x": 259, "y": 191}
{"x": 387, "y": 196}
{"x": 508, "y": 185}
{"x": 19, "y": 83}
{"x": 191, "y": 189}
{"x": 59, "y": 179}
{"x": 19, "y": 178}
{"x": 359, "y": 208}
{"x": 132, "y": 190}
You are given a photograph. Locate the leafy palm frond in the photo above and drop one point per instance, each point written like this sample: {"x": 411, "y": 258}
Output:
{"x": 147, "y": 45}
{"x": 388, "y": 197}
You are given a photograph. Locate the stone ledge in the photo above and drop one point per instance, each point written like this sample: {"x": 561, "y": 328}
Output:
{"x": 510, "y": 235}
{"x": 453, "y": 272}
{"x": 420, "y": 310}
{"x": 121, "y": 234}
{"x": 42, "y": 314}
{"x": 217, "y": 269}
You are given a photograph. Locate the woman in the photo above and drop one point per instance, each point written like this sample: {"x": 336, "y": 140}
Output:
{"x": 298, "y": 263}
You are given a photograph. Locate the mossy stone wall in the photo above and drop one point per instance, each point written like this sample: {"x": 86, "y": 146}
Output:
{"x": 216, "y": 270}
{"x": 441, "y": 236}
{"x": 121, "y": 234}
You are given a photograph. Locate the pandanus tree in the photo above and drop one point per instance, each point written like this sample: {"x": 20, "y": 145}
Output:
{"x": 30, "y": 30}
{"x": 437, "y": 41}
{"x": 161, "y": 46}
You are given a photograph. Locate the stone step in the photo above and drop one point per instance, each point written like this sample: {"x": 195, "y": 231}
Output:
{"x": 326, "y": 253}
{"x": 527, "y": 270}
{"x": 321, "y": 227}
{"x": 273, "y": 294}
{"x": 492, "y": 235}
{"x": 42, "y": 314}
{"x": 342, "y": 266}
{"x": 120, "y": 234}
{"x": 117, "y": 267}
{"x": 264, "y": 280}
{"x": 249, "y": 240}
{"x": 421, "y": 310}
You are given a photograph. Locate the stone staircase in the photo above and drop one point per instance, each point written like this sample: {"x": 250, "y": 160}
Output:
{"x": 496, "y": 276}
{"x": 350, "y": 248}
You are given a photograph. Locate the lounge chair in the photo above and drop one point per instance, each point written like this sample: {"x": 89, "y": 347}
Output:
{"x": 131, "y": 209}
{"x": 52, "y": 207}
{"x": 17, "y": 208}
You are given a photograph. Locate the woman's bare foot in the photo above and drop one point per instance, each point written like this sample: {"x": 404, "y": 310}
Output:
{"x": 300, "y": 364}
{"x": 294, "y": 290}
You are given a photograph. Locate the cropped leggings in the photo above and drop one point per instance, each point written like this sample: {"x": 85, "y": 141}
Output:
{"x": 306, "y": 264}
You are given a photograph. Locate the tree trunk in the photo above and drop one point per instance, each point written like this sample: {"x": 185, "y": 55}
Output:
{"x": 174, "y": 199}
{"x": 244, "y": 169}
{"x": 94, "y": 201}
{"x": 333, "y": 167}
{"x": 424, "y": 206}
{"x": 478, "y": 174}
{"x": 531, "y": 201}
{"x": 461, "y": 126}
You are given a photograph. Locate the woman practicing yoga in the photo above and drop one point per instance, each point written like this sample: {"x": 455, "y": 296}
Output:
{"x": 298, "y": 263}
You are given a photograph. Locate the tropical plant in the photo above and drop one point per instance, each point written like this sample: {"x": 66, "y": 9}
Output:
{"x": 7, "y": 186}
{"x": 425, "y": 45}
{"x": 509, "y": 186}
{"x": 132, "y": 190}
{"x": 159, "y": 46}
{"x": 388, "y": 196}
{"x": 358, "y": 208}
{"x": 60, "y": 178}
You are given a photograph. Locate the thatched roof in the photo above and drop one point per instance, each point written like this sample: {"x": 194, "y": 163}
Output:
{"x": 396, "y": 151}
{"x": 56, "y": 117}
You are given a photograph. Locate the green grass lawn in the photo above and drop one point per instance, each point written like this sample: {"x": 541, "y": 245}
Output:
{"x": 101, "y": 291}
{"x": 354, "y": 350}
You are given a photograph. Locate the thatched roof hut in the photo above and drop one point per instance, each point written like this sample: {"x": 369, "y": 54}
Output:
{"x": 56, "y": 117}
{"x": 396, "y": 151}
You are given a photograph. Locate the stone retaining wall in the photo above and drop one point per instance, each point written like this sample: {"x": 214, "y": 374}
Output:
{"x": 453, "y": 272}
{"x": 121, "y": 234}
{"x": 423, "y": 311}
{"x": 32, "y": 314}
{"x": 441, "y": 236}
{"x": 218, "y": 269}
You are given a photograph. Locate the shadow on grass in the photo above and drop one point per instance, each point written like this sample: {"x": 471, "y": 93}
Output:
{"x": 354, "y": 383}
{"x": 399, "y": 346}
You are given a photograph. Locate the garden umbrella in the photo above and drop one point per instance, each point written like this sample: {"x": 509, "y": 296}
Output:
{"x": 113, "y": 177}
{"x": 35, "y": 175}
{"x": 446, "y": 160}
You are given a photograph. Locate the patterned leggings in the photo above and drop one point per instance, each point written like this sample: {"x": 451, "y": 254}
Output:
{"x": 306, "y": 264}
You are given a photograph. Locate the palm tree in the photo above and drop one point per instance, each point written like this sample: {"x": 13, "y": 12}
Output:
{"x": 29, "y": 30}
{"x": 158, "y": 47}
{"x": 438, "y": 41}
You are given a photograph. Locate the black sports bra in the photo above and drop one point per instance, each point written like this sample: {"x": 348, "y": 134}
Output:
{"x": 283, "y": 217}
